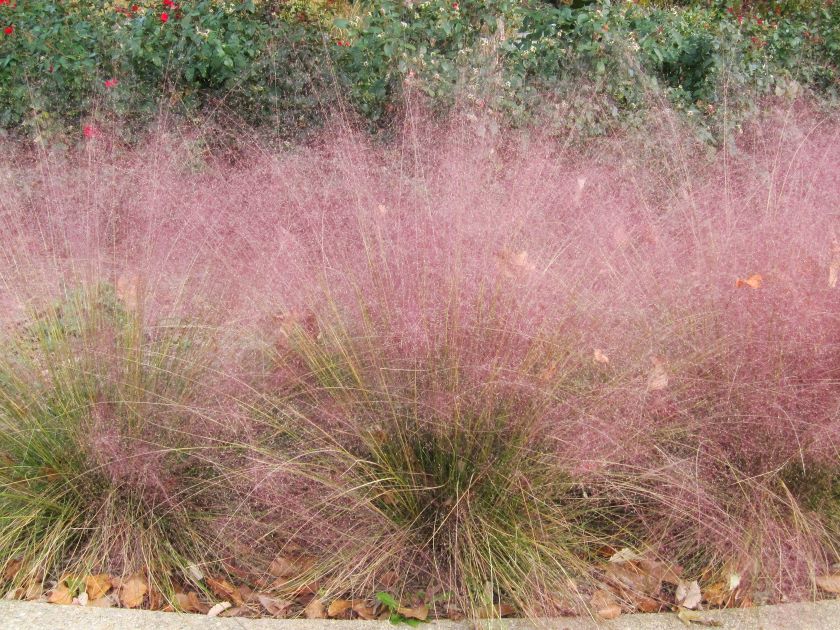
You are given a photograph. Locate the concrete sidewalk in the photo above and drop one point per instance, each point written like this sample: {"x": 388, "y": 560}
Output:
{"x": 823, "y": 615}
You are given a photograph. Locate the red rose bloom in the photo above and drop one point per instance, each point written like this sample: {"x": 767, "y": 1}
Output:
{"x": 110, "y": 83}
{"x": 9, "y": 30}
{"x": 164, "y": 17}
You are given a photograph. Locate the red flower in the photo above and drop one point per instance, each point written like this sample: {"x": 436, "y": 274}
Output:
{"x": 164, "y": 17}
{"x": 89, "y": 131}
{"x": 168, "y": 3}
{"x": 135, "y": 8}
{"x": 455, "y": 6}
{"x": 109, "y": 83}
{"x": 9, "y": 30}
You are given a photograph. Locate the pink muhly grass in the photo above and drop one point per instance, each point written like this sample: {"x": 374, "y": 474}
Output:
{"x": 406, "y": 342}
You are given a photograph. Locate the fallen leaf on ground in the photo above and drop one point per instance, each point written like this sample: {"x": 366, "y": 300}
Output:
{"x": 635, "y": 578}
{"x": 33, "y": 590}
{"x": 688, "y": 594}
{"x": 276, "y": 607}
{"x": 494, "y": 612}
{"x": 189, "y": 602}
{"x": 133, "y": 590}
{"x": 97, "y": 585}
{"x": 647, "y": 604}
{"x": 314, "y": 609}
{"x": 224, "y": 590}
{"x": 364, "y": 611}
{"x": 754, "y": 282}
{"x": 103, "y": 602}
{"x": 717, "y": 594}
{"x": 236, "y": 611}
{"x": 604, "y": 604}
{"x": 60, "y": 595}
{"x": 610, "y": 612}
{"x": 11, "y": 570}
{"x": 219, "y": 608}
{"x": 829, "y": 583}
{"x": 599, "y": 357}
{"x": 338, "y": 607}
{"x": 419, "y": 612}
{"x": 689, "y": 617}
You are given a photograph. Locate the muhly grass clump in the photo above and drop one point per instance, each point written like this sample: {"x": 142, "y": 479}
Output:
{"x": 470, "y": 363}
{"x": 104, "y": 468}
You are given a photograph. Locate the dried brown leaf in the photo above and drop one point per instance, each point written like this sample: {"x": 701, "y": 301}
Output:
{"x": 692, "y": 616}
{"x": 97, "y": 585}
{"x": 275, "y": 607}
{"x": 218, "y": 609}
{"x": 103, "y": 602}
{"x": 418, "y": 612}
{"x": 688, "y": 594}
{"x": 133, "y": 590}
{"x": 338, "y": 607}
{"x": 61, "y": 594}
{"x": 314, "y": 609}
{"x": 11, "y": 569}
{"x": 612, "y": 611}
{"x": 224, "y": 590}
{"x": 829, "y": 583}
{"x": 753, "y": 282}
{"x": 364, "y": 611}
{"x": 189, "y": 602}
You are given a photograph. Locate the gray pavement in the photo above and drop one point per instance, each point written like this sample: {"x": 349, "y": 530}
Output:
{"x": 823, "y": 615}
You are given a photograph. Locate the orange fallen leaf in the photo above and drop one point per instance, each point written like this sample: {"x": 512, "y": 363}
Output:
{"x": 189, "y": 602}
{"x": 610, "y": 612}
{"x": 103, "y": 602}
{"x": 133, "y": 590}
{"x": 647, "y": 604}
{"x": 419, "y": 612}
{"x": 11, "y": 569}
{"x": 364, "y": 611}
{"x": 314, "y": 609}
{"x": 829, "y": 583}
{"x": 754, "y": 282}
{"x": 224, "y": 590}
{"x": 339, "y": 606}
{"x": 61, "y": 594}
{"x": 97, "y": 585}
{"x": 494, "y": 612}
